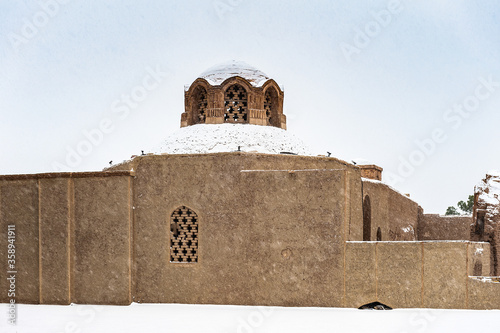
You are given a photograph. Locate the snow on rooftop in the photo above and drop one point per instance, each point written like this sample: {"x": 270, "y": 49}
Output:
{"x": 219, "y": 73}
{"x": 217, "y": 138}
{"x": 362, "y": 161}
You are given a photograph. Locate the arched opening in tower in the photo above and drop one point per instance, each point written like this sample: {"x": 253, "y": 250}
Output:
{"x": 271, "y": 107}
{"x": 199, "y": 105}
{"x": 235, "y": 104}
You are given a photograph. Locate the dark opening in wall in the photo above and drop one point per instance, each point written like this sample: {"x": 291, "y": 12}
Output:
{"x": 479, "y": 228}
{"x": 367, "y": 219}
{"x": 200, "y": 105}
{"x": 375, "y": 306}
{"x": 271, "y": 107}
{"x": 379, "y": 234}
{"x": 478, "y": 268}
{"x": 183, "y": 235}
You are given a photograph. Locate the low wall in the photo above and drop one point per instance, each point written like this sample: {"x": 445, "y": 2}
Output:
{"x": 72, "y": 237}
{"x": 439, "y": 227}
{"x": 415, "y": 274}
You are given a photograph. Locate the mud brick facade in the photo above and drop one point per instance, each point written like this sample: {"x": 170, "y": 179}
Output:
{"x": 241, "y": 227}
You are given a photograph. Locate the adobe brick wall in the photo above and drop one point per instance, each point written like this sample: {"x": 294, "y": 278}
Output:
{"x": 266, "y": 234}
{"x": 484, "y": 293}
{"x": 438, "y": 227}
{"x": 395, "y": 214}
{"x": 273, "y": 230}
{"x": 19, "y": 205}
{"x": 73, "y": 239}
{"x": 429, "y": 274}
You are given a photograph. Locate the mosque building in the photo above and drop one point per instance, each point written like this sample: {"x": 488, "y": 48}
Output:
{"x": 234, "y": 209}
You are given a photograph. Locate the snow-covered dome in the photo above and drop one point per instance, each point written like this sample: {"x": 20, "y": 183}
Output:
{"x": 219, "y": 73}
{"x": 216, "y": 138}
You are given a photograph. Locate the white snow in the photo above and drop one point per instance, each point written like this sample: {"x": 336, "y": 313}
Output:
{"x": 490, "y": 191}
{"x": 362, "y": 161}
{"x": 489, "y": 279}
{"x": 219, "y": 73}
{"x": 409, "y": 228}
{"x": 217, "y": 138}
{"x": 238, "y": 319}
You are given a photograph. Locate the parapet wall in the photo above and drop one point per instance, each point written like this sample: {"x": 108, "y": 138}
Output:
{"x": 72, "y": 237}
{"x": 439, "y": 227}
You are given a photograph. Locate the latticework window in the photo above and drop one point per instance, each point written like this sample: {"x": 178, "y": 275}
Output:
{"x": 268, "y": 105}
{"x": 183, "y": 235}
{"x": 235, "y": 103}
{"x": 201, "y": 106}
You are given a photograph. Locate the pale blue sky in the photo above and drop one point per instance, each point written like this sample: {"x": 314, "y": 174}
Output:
{"x": 430, "y": 55}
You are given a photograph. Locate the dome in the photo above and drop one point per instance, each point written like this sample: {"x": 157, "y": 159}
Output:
{"x": 219, "y": 73}
{"x": 217, "y": 138}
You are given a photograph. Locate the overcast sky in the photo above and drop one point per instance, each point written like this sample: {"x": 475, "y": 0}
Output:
{"x": 412, "y": 86}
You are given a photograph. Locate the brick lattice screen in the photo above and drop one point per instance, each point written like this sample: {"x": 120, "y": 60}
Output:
{"x": 184, "y": 235}
{"x": 235, "y": 104}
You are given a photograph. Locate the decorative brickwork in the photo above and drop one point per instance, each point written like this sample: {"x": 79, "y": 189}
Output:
{"x": 234, "y": 95}
{"x": 236, "y": 104}
{"x": 184, "y": 235}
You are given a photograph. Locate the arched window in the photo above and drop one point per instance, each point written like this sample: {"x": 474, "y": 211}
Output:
{"x": 183, "y": 235}
{"x": 200, "y": 105}
{"x": 235, "y": 104}
{"x": 379, "y": 235}
{"x": 367, "y": 219}
{"x": 271, "y": 106}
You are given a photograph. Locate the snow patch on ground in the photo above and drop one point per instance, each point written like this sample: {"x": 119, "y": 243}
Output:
{"x": 225, "y": 318}
{"x": 217, "y": 138}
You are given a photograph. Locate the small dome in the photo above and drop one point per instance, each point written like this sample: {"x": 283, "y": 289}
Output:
{"x": 219, "y": 73}
{"x": 217, "y": 138}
